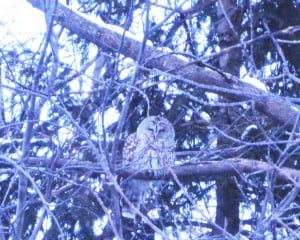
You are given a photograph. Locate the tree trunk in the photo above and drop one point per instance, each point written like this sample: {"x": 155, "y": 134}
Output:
{"x": 227, "y": 212}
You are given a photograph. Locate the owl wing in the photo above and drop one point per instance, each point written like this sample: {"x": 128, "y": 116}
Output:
{"x": 129, "y": 149}
{"x": 135, "y": 151}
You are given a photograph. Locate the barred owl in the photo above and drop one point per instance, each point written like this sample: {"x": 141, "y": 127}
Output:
{"x": 150, "y": 147}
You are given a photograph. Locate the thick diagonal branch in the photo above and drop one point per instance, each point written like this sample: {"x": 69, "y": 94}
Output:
{"x": 111, "y": 38}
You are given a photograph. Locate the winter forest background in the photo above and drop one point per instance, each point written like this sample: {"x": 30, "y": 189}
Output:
{"x": 224, "y": 72}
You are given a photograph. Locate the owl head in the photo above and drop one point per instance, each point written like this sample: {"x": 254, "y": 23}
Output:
{"x": 156, "y": 128}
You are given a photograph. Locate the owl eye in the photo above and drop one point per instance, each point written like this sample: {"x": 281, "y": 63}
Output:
{"x": 150, "y": 129}
{"x": 161, "y": 130}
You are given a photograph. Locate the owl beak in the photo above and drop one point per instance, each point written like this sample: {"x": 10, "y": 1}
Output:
{"x": 155, "y": 134}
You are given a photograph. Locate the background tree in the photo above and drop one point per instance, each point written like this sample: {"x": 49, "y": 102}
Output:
{"x": 224, "y": 72}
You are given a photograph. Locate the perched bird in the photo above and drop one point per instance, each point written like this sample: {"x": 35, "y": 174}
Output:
{"x": 150, "y": 147}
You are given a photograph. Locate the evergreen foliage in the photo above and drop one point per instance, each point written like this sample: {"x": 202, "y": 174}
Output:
{"x": 67, "y": 107}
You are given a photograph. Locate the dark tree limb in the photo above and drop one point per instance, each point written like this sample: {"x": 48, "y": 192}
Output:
{"x": 227, "y": 192}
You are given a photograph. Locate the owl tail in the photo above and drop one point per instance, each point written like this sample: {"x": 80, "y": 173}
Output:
{"x": 137, "y": 191}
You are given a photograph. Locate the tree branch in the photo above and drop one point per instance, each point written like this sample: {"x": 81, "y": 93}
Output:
{"x": 111, "y": 38}
{"x": 212, "y": 169}
{"x": 203, "y": 169}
